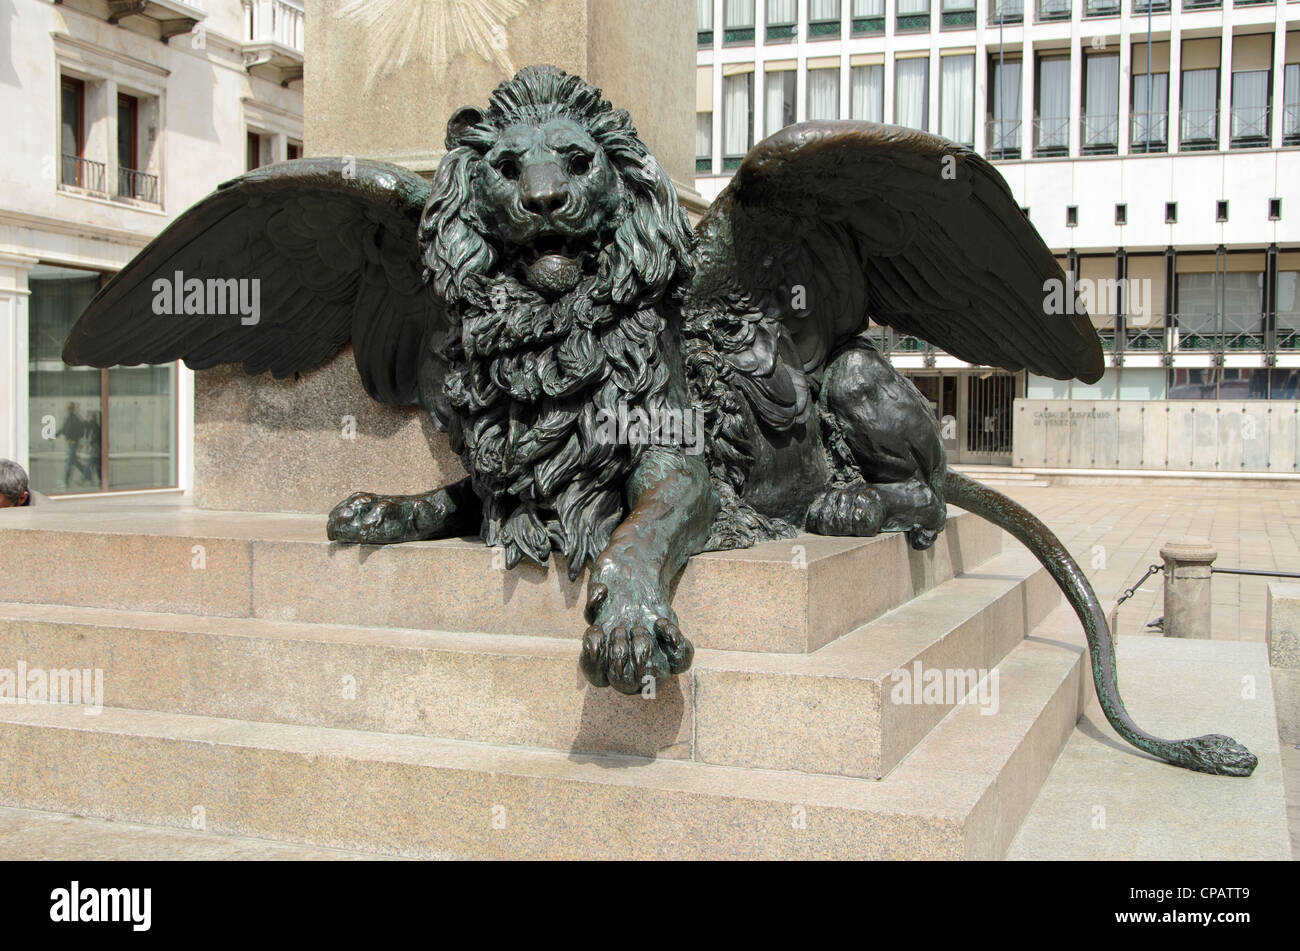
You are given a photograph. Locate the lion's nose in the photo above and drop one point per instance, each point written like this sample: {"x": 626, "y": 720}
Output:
{"x": 545, "y": 189}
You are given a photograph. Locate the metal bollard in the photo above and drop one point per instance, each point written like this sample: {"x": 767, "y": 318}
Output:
{"x": 1187, "y": 587}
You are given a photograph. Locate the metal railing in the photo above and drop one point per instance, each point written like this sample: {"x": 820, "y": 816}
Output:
{"x": 823, "y": 29}
{"x": 868, "y": 26}
{"x": 1051, "y": 135}
{"x": 912, "y": 23}
{"x": 1202, "y": 4}
{"x": 1004, "y": 138}
{"x": 78, "y": 172}
{"x": 957, "y": 19}
{"x": 1291, "y": 124}
{"x": 1157, "y": 6}
{"x": 781, "y": 32}
{"x": 1100, "y": 132}
{"x": 274, "y": 21}
{"x": 1199, "y": 128}
{"x": 1101, "y": 8}
{"x": 1149, "y": 132}
{"x": 1249, "y": 126}
{"x": 139, "y": 185}
{"x": 1055, "y": 9}
{"x": 1220, "y": 332}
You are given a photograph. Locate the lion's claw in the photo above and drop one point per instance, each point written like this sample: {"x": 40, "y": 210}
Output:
{"x": 365, "y": 518}
{"x": 629, "y": 642}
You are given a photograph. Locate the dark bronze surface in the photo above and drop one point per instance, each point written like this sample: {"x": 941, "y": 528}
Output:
{"x": 620, "y": 388}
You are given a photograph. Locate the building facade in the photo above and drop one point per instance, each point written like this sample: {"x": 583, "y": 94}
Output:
{"x": 120, "y": 115}
{"x": 1155, "y": 144}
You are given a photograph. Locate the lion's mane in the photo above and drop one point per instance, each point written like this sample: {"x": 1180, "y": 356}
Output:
{"x": 527, "y": 377}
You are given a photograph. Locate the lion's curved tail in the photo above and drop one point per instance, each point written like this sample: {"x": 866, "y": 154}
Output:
{"x": 1213, "y": 753}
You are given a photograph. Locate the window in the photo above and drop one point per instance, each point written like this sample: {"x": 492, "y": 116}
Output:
{"x": 1006, "y": 11}
{"x": 1200, "y": 109}
{"x": 704, "y": 22}
{"x": 737, "y": 118}
{"x": 1101, "y": 8}
{"x": 782, "y": 20}
{"x": 867, "y": 93}
{"x": 823, "y": 19}
{"x": 868, "y": 17}
{"x": 1220, "y": 211}
{"x": 1249, "y": 121}
{"x": 1221, "y": 301}
{"x": 1291, "y": 112}
{"x": 704, "y": 142}
{"x": 1071, "y": 216}
{"x": 1171, "y": 212}
{"x": 957, "y": 98}
{"x": 1004, "y": 108}
{"x": 958, "y": 14}
{"x": 75, "y": 169}
{"x": 1149, "y": 130}
{"x": 912, "y": 92}
{"x": 132, "y": 180}
{"x": 913, "y": 16}
{"x": 1054, "y": 9}
{"x": 294, "y": 150}
{"x": 738, "y": 21}
{"x": 1275, "y": 209}
{"x": 1052, "y": 110}
{"x": 113, "y": 429}
{"x": 1101, "y": 103}
{"x": 1121, "y": 214}
{"x": 823, "y": 94}
{"x": 778, "y": 101}
{"x": 253, "y": 152}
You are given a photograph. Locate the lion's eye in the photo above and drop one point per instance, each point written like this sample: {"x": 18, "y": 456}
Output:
{"x": 508, "y": 169}
{"x": 580, "y": 163}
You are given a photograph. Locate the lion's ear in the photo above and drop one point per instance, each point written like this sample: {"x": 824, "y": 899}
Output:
{"x": 461, "y": 121}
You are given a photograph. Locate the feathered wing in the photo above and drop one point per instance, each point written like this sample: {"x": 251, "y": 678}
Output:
{"x": 332, "y": 246}
{"x": 827, "y": 224}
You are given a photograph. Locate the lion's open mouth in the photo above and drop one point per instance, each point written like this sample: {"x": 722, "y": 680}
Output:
{"x": 556, "y": 244}
{"x": 552, "y": 262}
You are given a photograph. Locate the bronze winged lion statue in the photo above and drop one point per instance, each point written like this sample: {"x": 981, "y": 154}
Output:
{"x": 622, "y": 389}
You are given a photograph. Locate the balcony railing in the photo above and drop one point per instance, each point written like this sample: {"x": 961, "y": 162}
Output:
{"x": 868, "y": 26}
{"x": 1291, "y": 124}
{"x": 1199, "y": 129}
{"x": 1156, "y": 6}
{"x": 78, "y": 172}
{"x": 1220, "y": 332}
{"x": 1051, "y": 136}
{"x": 1101, "y": 8}
{"x": 1100, "y": 133}
{"x": 1004, "y": 138}
{"x": 1249, "y": 127}
{"x": 1202, "y": 4}
{"x": 823, "y": 29}
{"x": 957, "y": 19}
{"x": 1252, "y": 3}
{"x": 781, "y": 32}
{"x": 738, "y": 36}
{"x": 1055, "y": 9}
{"x": 1149, "y": 132}
{"x": 138, "y": 185}
{"x": 704, "y": 37}
{"x": 912, "y": 23}
{"x": 273, "y": 21}
{"x": 1006, "y": 11}
{"x": 704, "y": 166}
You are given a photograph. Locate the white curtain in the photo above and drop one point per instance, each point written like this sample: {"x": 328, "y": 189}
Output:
{"x": 868, "y": 8}
{"x": 1053, "y": 103}
{"x": 823, "y": 94}
{"x": 735, "y": 114}
{"x": 867, "y": 99}
{"x": 1292, "y": 99}
{"x": 703, "y": 135}
{"x": 822, "y": 10}
{"x": 1006, "y": 104}
{"x": 1199, "y": 102}
{"x": 957, "y": 98}
{"x": 1157, "y": 123}
{"x": 912, "y": 92}
{"x": 782, "y": 11}
{"x": 1250, "y": 103}
{"x": 778, "y": 101}
{"x": 1101, "y": 100}
{"x": 909, "y": 7}
{"x": 705, "y": 14}
{"x": 739, "y": 14}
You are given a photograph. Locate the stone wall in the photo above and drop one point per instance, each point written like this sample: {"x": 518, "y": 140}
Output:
{"x": 1172, "y": 435}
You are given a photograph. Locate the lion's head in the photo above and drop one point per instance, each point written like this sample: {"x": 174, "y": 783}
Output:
{"x": 551, "y": 184}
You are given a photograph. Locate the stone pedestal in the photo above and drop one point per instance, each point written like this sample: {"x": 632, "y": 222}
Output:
{"x": 1284, "y": 657}
{"x": 1187, "y": 587}
{"x": 382, "y": 78}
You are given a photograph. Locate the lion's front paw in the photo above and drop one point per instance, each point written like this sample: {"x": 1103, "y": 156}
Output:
{"x": 632, "y": 638}
{"x": 855, "y": 509}
{"x": 368, "y": 519}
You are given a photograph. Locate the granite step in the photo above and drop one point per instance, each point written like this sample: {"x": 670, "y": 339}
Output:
{"x": 789, "y": 597}
{"x": 832, "y": 711}
{"x": 962, "y": 793}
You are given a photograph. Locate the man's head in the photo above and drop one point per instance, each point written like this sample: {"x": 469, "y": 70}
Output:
{"x": 13, "y": 484}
